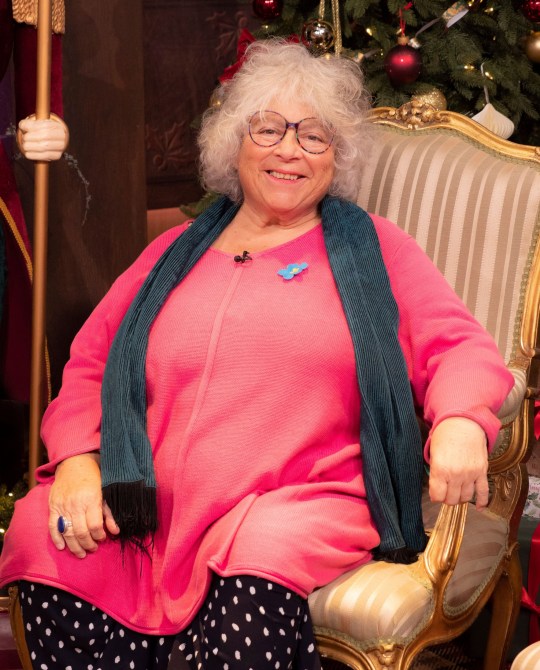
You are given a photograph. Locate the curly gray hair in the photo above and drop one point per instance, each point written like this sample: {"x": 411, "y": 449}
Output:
{"x": 275, "y": 69}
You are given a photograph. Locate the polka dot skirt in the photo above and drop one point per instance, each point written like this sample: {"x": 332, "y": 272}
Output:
{"x": 246, "y": 623}
{"x": 63, "y": 631}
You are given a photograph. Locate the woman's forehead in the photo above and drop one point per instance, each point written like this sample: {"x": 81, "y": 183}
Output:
{"x": 292, "y": 110}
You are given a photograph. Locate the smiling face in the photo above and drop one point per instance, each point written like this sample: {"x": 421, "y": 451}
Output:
{"x": 283, "y": 182}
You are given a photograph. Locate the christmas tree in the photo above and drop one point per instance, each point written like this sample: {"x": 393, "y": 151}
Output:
{"x": 460, "y": 55}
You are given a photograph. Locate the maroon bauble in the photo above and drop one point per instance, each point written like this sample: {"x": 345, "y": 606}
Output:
{"x": 403, "y": 64}
{"x": 531, "y": 9}
{"x": 267, "y": 9}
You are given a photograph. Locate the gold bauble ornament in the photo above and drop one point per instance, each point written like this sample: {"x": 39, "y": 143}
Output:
{"x": 433, "y": 97}
{"x": 531, "y": 46}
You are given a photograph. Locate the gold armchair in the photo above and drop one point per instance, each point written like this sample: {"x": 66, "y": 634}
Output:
{"x": 472, "y": 201}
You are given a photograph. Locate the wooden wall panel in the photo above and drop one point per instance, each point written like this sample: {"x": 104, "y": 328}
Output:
{"x": 187, "y": 44}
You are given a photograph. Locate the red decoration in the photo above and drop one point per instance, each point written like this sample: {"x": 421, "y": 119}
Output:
{"x": 244, "y": 40}
{"x": 403, "y": 64}
{"x": 531, "y": 9}
{"x": 528, "y": 597}
{"x": 267, "y": 9}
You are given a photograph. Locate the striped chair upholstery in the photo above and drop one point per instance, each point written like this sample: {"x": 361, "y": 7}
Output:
{"x": 528, "y": 659}
{"x": 389, "y": 601}
{"x": 472, "y": 201}
{"x": 425, "y": 181}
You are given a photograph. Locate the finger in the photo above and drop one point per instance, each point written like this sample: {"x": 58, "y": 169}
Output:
{"x": 437, "y": 488}
{"x": 77, "y": 536}
{"x": 38, "y": 125}
{"x": 482, "y": 492}
{"x": 41, "y": 143}
{"x": 110, "y": 523}
{"x": 68, "y": 536}
{"x": 446, "y": 491}
{"x": 453, "y": 494}
{"x": 94, "y": 521}
{"x": 467, "y": 492}
{"x": 80, "y": 532}
{"x": 25, "y": 124}
{"x": 56, "y": 535}
{"x": 73, "y": 545}
{"x": 40, "y": 155}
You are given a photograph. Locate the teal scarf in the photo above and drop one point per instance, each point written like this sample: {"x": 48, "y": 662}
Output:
{"x": 389, "y": 434}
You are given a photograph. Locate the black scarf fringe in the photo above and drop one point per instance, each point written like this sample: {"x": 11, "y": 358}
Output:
{"x": 403, "y": 555}
{"x": 134, "y": 508}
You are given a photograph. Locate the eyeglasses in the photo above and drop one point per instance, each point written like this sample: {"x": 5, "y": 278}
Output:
{"x": 267, "y": 128}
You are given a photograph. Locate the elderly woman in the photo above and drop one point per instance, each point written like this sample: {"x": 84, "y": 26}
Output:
{"x": 244, "y": 396}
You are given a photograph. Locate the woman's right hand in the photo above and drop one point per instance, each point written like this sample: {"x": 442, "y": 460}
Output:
{"x": 76, "y": 495}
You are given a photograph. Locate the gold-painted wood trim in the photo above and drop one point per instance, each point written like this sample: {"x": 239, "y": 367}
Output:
{"x": 419, "y": 117}
{"x": 17, "y": 627}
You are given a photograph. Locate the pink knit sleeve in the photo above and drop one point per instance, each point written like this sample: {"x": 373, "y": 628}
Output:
{"x": 71, "y": 424}
{"x": 454, "y": 364}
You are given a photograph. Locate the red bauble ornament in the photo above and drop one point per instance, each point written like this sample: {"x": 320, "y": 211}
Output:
{"x": 403, "y": 64}
{"x": 267, "y": 9}
{"x": 531, "y": 9}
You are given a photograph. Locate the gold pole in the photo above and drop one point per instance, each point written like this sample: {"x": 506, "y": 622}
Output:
{"x": 41, "y": 205}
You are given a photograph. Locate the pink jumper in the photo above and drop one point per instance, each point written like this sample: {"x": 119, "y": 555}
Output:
{"x": 253, "y": 417}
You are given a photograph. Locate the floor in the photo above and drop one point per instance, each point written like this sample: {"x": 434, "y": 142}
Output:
{"x": 9, "y": 660}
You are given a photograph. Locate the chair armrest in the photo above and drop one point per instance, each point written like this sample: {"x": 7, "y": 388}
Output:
{"x": 511, "y": 406}
{"x": 442, "y": 551}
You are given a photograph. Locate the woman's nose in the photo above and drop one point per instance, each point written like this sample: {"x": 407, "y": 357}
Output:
{"x": 289, "y": 144}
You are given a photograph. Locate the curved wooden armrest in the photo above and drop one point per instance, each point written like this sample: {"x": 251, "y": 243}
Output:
{"x": 17, "y": 627}
{"x": 511, "y": 406}
{"x": 442, "y": 551}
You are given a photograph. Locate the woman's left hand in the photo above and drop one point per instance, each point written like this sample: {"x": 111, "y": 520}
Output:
{"x": 458, "y": 463}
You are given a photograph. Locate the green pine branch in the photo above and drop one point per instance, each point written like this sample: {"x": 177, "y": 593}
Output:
{"x": 491, "y": 35}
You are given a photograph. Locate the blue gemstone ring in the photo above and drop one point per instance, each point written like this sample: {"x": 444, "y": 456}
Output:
{"x": 63, "y": 524}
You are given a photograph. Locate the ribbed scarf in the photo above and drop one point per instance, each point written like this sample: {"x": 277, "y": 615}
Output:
{"x": 389, "y": 434}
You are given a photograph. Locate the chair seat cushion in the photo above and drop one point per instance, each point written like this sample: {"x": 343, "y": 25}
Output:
{"x": 376, "y": 601}
{"x": 388, "y": 601}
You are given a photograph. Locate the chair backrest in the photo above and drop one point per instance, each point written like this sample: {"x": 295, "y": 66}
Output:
{"x": 471, "y": 200}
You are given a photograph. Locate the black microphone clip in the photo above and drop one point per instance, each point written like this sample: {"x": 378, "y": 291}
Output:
{"x": 243, "y": 258}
